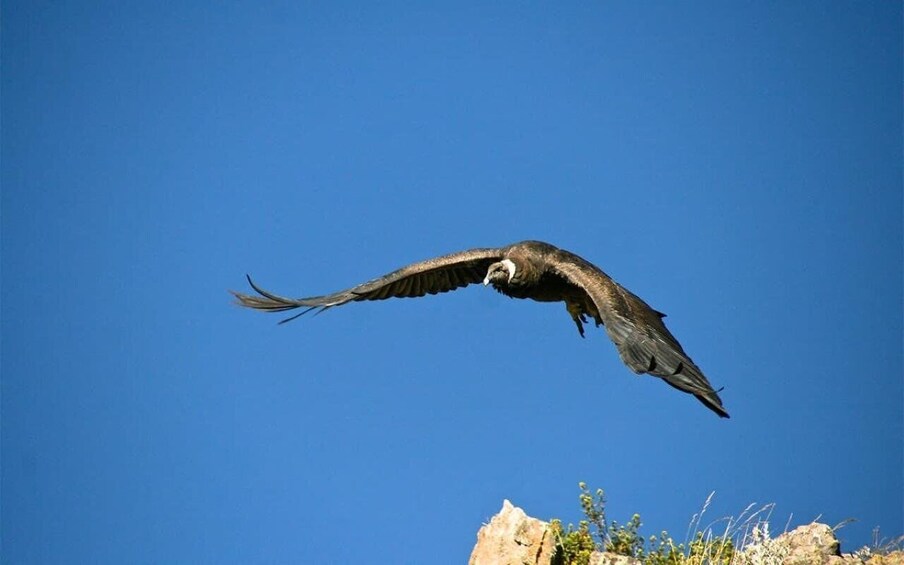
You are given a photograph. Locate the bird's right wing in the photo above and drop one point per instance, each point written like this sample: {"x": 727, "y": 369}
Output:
{"x": 433, "y": 276}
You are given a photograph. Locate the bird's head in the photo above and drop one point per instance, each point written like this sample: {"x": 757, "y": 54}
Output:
{"x": 500, "y": 273}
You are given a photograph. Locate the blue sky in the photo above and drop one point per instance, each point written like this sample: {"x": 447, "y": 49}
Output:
{"x": 737, "y": 165}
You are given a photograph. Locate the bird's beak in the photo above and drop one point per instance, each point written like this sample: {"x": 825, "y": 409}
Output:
{"x": 486, "y": 280}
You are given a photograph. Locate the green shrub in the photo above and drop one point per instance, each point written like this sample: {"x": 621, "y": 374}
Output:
{"x": 575, "y": 545}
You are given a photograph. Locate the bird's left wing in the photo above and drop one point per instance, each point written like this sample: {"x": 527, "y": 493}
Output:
{"x": 644, "y": 343}
{"x": 440, "y": 274}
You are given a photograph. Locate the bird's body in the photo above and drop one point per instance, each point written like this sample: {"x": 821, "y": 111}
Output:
{"x": 541, "y": 272}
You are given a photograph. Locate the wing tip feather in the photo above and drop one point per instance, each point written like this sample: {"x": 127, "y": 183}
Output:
{"x": 267, "y": 301}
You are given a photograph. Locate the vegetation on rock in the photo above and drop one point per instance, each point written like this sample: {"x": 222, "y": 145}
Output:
{"x": 744, "y": 541}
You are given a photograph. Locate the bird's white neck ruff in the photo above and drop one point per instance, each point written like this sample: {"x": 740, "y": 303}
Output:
{"x": 510, "y": 265}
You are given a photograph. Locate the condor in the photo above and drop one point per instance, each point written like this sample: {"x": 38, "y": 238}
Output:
{"x": 542, "y": 272}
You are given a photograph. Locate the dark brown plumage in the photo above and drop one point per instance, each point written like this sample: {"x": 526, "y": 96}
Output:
{"x": 542, "y": 272}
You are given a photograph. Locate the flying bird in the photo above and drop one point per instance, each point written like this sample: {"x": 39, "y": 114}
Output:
{"x": 541, "y": 272}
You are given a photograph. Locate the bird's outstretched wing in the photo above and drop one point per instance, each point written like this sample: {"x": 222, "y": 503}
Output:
{"x": 644, "y": 343}
{"x": 440, "y": 274}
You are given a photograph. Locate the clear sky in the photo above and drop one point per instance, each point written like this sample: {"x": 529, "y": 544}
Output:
{"x": 737, "y": 165}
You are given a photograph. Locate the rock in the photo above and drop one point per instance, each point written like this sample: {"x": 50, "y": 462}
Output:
{"x": 810, "y": 544}
{"x": 813, "y": 544}
{"x": 513, "y": 538}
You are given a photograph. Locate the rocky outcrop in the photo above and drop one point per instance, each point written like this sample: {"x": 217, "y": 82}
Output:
{"x": 812, "y": 544}
{"x": 514, "y": 538}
